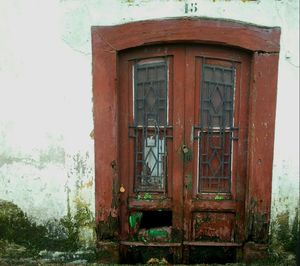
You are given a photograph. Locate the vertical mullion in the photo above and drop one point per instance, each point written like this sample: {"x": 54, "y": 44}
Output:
{"x": 135, "y": 96}
{"x": 136, "y": 147}
{"x": 157, "y": 120}
{"x": 144, "y": 125}
{"x": 166, "y": 123}
{"x": 200, "y": 148}
{"x": 203, "y": 171}
{"x": 200, "y": 160}
{"x": 231, "y": 125}
{"x": 222, "y": 133}
{"x": 136, "y": 157}
{"x": 164, "y": 159}
{"x": 166, "y": 95}
{"x": 210, "y": 125}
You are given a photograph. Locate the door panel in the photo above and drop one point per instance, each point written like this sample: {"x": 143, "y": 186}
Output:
{"x": 174, "y": 96}
{"x": 215, "y": 128}
{"x": 150, "y": 133}
{"x": 213, "y": 225}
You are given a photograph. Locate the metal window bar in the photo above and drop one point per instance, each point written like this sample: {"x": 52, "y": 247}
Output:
{"x": 216, "y": 122}
{"x": 150, "y": 130}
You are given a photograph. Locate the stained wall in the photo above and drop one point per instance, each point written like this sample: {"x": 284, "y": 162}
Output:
{"x": 46, "y": 110}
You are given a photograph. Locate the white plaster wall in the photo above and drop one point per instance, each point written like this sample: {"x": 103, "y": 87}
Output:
{"x": 46, "y": 93}
{"x": 45, "y": 108}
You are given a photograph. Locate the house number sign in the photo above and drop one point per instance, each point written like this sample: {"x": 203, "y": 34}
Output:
{"x": 190, "y": 8}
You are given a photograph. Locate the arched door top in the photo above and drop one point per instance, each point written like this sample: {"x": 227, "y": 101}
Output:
{"x": 212, "y": 31}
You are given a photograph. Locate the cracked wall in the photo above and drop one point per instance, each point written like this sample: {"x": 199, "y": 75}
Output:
{"x": 46, "y": 155}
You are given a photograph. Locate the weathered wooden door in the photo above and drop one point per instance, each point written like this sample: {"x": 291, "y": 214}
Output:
{"x": 183, "y": 146}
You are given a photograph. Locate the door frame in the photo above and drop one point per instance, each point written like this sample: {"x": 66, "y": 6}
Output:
{"x": 263, "y": 45}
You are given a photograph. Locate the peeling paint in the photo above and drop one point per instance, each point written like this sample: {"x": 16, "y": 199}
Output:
{"x": 257, "y": 224}
{"x": 108, "y": 230}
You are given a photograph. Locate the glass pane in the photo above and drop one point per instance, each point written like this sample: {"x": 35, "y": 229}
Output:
{"x": 150, "y": 105}
{"x": 215, "y": 137}
{"x": 215, "y": 161}
{"x": 151, "y": 94}
{"x": 150, "y": 163}
{"x": 216, "y": 97}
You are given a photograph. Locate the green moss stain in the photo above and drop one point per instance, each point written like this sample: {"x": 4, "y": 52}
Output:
{"x": 219, "y": 197}
{"x": 79, "y": 169}
{"x": 176, "y": 235}
{"x": 257, "y": 224}
{"x": 160, "y": 234}
{"x": 132, "y": 222}
{"x": 283, "y": 230}
{"x": 155, "y": 233}
{"x": 6, "y": 159}
{"x": 135, "y": 219}
{"x": 79, "y": 217}
{"x": 20, "y": 232}
{"x": 198, "y": 223}
{"x": 295, "y": 233}
{"x": 285, "y": 234}
{"x": 211, "y": 255}
{"x": 185, "y": 153}
{"x": 284, "y": 238}
{"x": 73, "y": 222}
{"x": 108, "y": 230}
{"x": 206, "y": 218}
{"x": 189, "y": 181}
{"x": 83, "y": 215}
{"x": 54, "y": 154}
{"x": 16, "y": 228}
{"x": 147, "y": 196}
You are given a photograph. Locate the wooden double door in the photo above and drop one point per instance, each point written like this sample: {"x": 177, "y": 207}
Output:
{"x": 183, "y": 126}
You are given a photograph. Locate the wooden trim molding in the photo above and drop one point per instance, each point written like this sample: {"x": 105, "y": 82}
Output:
{"x": 222, "y": 32}
{"x": 263, "y": 45}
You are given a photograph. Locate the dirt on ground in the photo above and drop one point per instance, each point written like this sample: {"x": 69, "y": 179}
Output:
{"x": 13, "y": 254}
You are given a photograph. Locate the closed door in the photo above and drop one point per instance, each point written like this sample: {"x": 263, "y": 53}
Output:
{"x": 183, "y": 132}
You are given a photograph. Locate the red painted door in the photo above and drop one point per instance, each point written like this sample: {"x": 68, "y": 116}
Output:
{"x": 216, "y": 122}
{"x": 183, "y": 137}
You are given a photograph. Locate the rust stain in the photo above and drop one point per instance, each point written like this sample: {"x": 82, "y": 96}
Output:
{"x": 92, "y": 134}
{"x": 87, "y": 184}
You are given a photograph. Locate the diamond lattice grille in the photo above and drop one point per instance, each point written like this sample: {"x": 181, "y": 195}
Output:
{"x": 150, "y": 101}
{"x": 216, "y": 123}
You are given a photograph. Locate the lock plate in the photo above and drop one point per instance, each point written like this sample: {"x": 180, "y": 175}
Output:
{"x": 187, "y": 154}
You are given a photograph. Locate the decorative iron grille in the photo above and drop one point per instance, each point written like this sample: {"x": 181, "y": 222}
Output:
{"x": 215, "y": 133}
{"x": 150, "y": 125}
